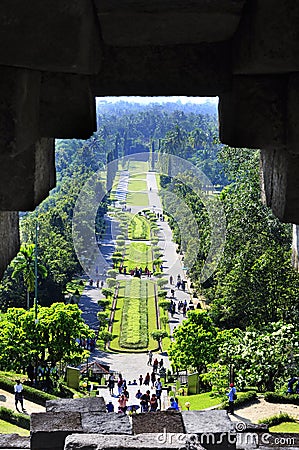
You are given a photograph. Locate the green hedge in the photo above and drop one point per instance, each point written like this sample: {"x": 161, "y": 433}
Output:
{"x": 277, "y": 419}
{"x": 21, "y": 420}
{"x": 243, "y": 399}
{"x": 273, "y": 397}
{"x": 31, "y": 394}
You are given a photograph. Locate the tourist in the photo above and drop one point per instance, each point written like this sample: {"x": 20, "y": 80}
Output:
{"x": 174, "y": 404}
{"x": 140, "y": 380}
{"x": 147, "y": 379}
{"x": 161, "y": 363}
{"x": 122, "y": 402}
{"x": 153, "y": 378}
{"x": 111, "y": 383}
{"x": 145, "y": 399}
{"x": 171, "y": 279}
{"x": 155, "y": 365}
{"x": 110, "y": 407}
{"x": 120, "y": 384}
{"x": 232, "y": 396}
{"x": 18, "y": 388}
{"x": 158, "y": 387}
{"x": 153, "y": 403}
{"x": 138, "y": 394}
{"x": 150, "y": 358}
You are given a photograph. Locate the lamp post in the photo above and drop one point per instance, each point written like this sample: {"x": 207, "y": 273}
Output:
{"x": 35, "y": 271}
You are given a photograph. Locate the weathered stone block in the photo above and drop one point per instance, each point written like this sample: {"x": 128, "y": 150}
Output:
{"x": 9, "y": 238}
{"x": 83, "y": 405}
{"x": 49, "y": 430}
{"x": 142, "y": 441}
{"x": 136, "y": 23}
{"x": 253, "y": 114}
{"x": 281, "y": 183}
{"x": 213, "y": 428}
{"x": 160, "y": 422}
{"x": 67, "y": 108}
{"x": 267, "y": 40}
{"x": 14, "y": 441}
{"x": 104, "y": 423}
{"x": 189, "y": 70}
{"x": 50, "y": 35}
{"x": 293, "y": 114}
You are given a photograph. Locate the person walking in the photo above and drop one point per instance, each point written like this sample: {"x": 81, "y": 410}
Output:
{"x": 140, "y": 380}
{"x": 18, "y": 388}
{"x": 111, "y": 383}
{"x": 150, "y": 358}
{"x": 158, "y": 387}
{"x": 232, "y": 396}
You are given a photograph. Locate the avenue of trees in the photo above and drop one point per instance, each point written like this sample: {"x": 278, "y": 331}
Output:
{"x": 252, "y": 316}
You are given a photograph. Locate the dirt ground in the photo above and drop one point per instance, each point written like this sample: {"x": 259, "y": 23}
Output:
{"x": 261, "y": 409}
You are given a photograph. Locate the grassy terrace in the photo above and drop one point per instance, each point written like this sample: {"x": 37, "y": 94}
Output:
{"x": 139, "y": 228}
{"x": 138, "y": 254}
{"x": 135, "y": 316}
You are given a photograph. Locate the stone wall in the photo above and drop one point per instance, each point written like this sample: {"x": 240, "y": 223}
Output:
{"x": 56, "y": 56}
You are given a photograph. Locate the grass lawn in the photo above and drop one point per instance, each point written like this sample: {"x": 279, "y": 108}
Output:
{"x": 137, "y": 199}
{"x": 138, "y": 254}
{"x": 139, "y": 228}
{"x": 151, "y": 311}
{"x": 137, "y": 167}
{"x": 137, "y": 184}
{"x": 9, "y": 428}
{"x": 199, "y": 401}
{"x": 285, "y": 427}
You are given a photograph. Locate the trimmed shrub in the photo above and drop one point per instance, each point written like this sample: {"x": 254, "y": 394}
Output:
{"x": 112, "y": 273}
{"x": 21, "y": 420}
{"x": 162, "y": 282}
{"x": 273, "y": 397}
{"x": 277, "y": 419}
{"x": 244, "y": 398}
{"x": 30, "y": 393}
{"x": 162, "y": 294}
{"x": 111, "y": 282}
{"x": 107, "y": 293}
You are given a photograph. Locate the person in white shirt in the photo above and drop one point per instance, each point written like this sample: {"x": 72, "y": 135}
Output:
{"x": 18, "y": 388}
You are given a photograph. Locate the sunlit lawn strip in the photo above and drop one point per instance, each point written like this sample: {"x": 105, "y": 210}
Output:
{"x": 136, "y": 167}
{"x": 199, "y": 401}
{"x": 134, "y": 331}
{"x": 138, "y": 254}
{"x": 137, "y": 185}
{"x": 9, "y": 428}
{"x": 137, "y": 199}
{"x": 151, "y": 324}
{"x": 139, "y": 228}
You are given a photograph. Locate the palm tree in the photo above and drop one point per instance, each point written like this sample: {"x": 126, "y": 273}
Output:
{"x": 24, "y": 264}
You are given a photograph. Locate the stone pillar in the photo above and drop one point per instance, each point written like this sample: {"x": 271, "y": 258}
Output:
{"x": 9, "y": 238}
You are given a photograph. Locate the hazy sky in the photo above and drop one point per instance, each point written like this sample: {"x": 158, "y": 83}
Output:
{"x": 146, "y": 100}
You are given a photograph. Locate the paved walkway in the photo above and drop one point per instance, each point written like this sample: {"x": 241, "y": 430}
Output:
{"x": 132, "y": 365}
{"x": 172, "y": 263}
{"x": 8, "y": 400}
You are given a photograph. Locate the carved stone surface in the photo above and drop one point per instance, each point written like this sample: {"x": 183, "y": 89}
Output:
{"x": 136, "y": 23}
{"x": 14, "y": 441}
{"x": 59, "y": 36}
{"x": 9, "y": 238}
{"x": 67, "y": 106}
{"x": 84, "y": 405}
{"x": 160, "y": 422}
{"x": 143, "y": 441}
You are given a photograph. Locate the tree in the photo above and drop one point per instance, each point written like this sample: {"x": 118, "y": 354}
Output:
{"x": 264, "y": 358}
{"x": 52, "y": 339}
{"x": 195, "y": 343}
{"x": 24, "y": 264}
{"x": 158, "y": 335}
